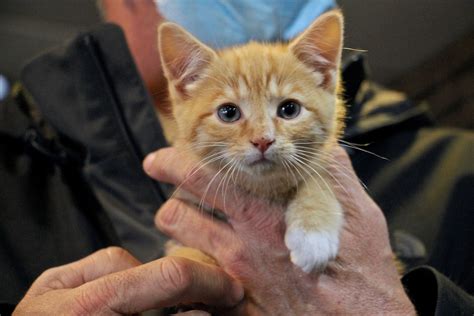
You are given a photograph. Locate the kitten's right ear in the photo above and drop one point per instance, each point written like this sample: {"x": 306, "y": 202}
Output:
{"x": 320, "y": 46}
{"x": 183, "y": 57}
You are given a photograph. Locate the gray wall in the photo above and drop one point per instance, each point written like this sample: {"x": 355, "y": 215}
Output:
{"x": 28, "y": 27}
{"x": 401, "y": 34}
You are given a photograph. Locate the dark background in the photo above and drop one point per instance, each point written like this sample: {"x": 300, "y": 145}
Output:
{"x": 422, "y": 47}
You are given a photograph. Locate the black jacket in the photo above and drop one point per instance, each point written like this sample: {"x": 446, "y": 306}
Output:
{"x": 73, "y": 136}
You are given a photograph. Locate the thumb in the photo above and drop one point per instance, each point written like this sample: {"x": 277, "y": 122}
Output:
{"x": 348, "y": 188}
{"x": 96, "y": 265}
{"x": 342, "y": 173}
{"x": 164, "y": 282}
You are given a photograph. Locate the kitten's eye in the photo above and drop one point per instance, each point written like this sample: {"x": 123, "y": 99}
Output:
{"x": 289, "y": 109}
{"x": 228, "y": 112}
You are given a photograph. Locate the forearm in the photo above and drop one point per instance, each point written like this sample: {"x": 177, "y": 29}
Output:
{"x": 140, "y": 20}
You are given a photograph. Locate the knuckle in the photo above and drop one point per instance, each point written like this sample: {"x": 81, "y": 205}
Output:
{"x": 51, "y": 279}
{"x": 92, "y": 301}
{"x": 170, "y": 214}
{"x": 107, "y": 292}
{"x": 236, "y": 257}
{"x": 48, "y": 274}
{"x": 245, "y": 210}
{"x": 82, "y": 304}
{"x": 214, "y": 239}
{"x": 175, "y": 275}
{"x": 115, "y": 253}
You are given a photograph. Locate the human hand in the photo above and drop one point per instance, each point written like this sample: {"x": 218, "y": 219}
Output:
{"x": 112, "y": 282}
{"x": 250, "y": 247}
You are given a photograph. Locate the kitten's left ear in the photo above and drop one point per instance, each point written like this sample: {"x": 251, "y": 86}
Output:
{"x": 320, "y": 45}
{"x": 183, "y": 57}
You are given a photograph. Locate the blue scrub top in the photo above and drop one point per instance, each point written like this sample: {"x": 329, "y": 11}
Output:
{"x": 223, "y": 23}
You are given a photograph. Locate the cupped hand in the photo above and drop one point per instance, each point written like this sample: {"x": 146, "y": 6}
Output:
{"x": 250, "y": 246}
{"x": 112, "y": 282}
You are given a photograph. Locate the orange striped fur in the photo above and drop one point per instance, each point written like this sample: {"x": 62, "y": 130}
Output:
{"x": 258, "y": 78}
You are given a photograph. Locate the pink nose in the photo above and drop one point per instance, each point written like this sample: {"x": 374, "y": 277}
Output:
{"x": 262, "y": 144}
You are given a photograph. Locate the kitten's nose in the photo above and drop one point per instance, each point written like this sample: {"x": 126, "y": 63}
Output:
{"x": 262, "y": 143}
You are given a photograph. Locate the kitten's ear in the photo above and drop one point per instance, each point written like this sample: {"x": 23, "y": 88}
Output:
{"x": 320, "y": 46}
{"x": 183, "y": 57}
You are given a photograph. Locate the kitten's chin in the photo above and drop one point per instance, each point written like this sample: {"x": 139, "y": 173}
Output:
{"x": 267, "y": 182}
{"x": 261, "y": 165}
{"x": 260, "y": 168}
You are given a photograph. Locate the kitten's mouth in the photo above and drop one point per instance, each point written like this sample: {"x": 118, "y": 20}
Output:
{"x": 262, "y": 161}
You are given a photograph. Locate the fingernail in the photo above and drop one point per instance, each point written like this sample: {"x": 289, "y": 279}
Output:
{"x": 148, "y": 162}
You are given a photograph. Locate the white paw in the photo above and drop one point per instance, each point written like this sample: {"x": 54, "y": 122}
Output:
{"x": 311, "y": 250}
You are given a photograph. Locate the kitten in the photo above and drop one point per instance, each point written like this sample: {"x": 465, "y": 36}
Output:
{"x": 269, "y": 112}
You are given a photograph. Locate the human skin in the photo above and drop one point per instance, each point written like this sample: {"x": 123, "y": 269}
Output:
{"x": 139, "y": 21}
{"x": 250, "y": 247}
{"x": 113, "y": 282}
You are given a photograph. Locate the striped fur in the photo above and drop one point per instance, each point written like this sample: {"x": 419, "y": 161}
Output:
{"x": 258, "y": 77}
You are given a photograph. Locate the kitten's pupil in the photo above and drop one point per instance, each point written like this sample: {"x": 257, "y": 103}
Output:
{"x": 228, "y": 112}
{"x": 289, "y": 109}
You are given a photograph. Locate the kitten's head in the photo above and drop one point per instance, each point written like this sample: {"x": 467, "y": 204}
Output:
{"x": 258, "y": 109}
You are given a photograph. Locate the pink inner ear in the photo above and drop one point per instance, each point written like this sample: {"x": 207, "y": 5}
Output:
{"x": 318, "y": 63}
{"x": 184, "y": 58}
{"x": 183, "y": 83}
{"x": 319, "y": 47}
{"x": 186, "y": 69}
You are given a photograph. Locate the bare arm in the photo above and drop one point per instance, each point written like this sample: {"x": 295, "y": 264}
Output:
{"x": 140, "y": 20}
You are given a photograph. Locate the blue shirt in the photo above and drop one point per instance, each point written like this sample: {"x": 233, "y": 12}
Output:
{"x": 223, "y": 23}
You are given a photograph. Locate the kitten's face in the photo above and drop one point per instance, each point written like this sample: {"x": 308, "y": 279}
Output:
{"x": 259, "y": 109}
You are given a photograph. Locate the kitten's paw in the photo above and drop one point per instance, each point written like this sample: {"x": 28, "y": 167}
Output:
{"x": 171, "y": 246}
{"x": 311, "y": 250}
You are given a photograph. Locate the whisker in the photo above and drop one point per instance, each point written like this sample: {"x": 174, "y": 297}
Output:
{"x": 223, "y": 180}
{"x": 360, "y": 50}
{"x": 354, "y": 144}
{"x": 287, "y": 173}
{"x": 321, "y": 155}
{"x": 201, "y": 203}
{"x": 198, "y": 166}
{"x": 365, "y": 151}
{"x": 295, "y": 167}
{"x": 229, "y": 179}
{"x": 325, "y": 170}
{"x": 299, "y": 159}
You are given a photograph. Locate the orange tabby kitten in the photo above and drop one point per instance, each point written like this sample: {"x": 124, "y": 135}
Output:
{"x": 269, "y": 112}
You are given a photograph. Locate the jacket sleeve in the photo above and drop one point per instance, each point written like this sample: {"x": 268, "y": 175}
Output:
{"x": 432, "y": 293}
{"x": 6, "y": 309}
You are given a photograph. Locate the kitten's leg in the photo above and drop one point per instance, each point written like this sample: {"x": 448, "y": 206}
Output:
{"x": 174, "y": 248}
{"x": 314, "y": 219}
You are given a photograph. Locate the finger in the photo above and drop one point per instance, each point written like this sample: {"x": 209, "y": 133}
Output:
{"x": 98, "y": 264}
{"x": 165, "y": 282}
{"x": 362, "y": 213}
{"x": 192, "y": 228}
{"x": 168, "y": 165}
{"x": 347, "y": 186}
{"x": 341, "y": 168}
